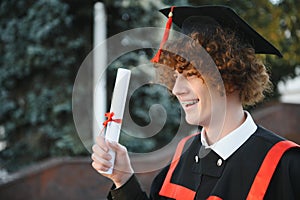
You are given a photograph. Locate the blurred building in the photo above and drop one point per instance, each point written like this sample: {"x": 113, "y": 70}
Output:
{"x": 290, "y": 91}
{"x": 283, "y": 117}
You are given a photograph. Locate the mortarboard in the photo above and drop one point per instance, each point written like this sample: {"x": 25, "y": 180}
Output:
{"x": 189, "y": 18}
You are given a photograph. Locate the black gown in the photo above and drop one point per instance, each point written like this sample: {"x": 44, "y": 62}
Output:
{"x": 229, "y": 179}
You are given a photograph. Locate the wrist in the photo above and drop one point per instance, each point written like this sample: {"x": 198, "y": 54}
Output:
{"x": 122, "y": 180}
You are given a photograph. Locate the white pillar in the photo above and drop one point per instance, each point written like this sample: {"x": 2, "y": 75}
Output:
{"x": 99, "y": 66}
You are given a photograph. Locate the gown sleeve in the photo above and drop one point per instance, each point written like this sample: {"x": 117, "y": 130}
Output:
{"x": 131, "y": 190}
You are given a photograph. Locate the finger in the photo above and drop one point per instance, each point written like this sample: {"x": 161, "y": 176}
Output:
{"x": 99, "y": 167}
{"x": 100, "y": 140}
{"x": 102, "y": 133}
{"x": 100, "y": 161}
{"x": 100, "y": 152}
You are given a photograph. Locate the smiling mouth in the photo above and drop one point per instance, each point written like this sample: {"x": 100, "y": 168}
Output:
{"x": 189, "y": 103}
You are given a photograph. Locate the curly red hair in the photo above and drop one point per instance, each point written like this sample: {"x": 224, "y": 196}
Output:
{"x": 235, "y": 60}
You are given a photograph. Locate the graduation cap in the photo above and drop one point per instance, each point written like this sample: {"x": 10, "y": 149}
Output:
{"x": 194, "y": 18}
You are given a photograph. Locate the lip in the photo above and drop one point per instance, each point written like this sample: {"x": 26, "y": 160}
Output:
{"x": 189, "y": 103}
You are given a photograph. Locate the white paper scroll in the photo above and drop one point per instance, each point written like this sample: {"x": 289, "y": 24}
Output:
{"x": 117, "y": 107}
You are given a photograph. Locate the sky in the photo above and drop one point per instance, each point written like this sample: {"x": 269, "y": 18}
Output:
{"x": 274, "y": 1}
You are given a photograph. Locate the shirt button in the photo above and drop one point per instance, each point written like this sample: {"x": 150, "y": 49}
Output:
{"x": 219, "y": 162}
{"x": 196, "y": 158}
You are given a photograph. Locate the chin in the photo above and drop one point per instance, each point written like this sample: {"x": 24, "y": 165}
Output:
{"x": 192, "y": 121}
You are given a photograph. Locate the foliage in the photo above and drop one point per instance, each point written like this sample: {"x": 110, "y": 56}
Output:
{"x": 40, "y": 55}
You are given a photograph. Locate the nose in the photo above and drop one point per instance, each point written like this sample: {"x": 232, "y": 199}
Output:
{"x": 180, "y": 86}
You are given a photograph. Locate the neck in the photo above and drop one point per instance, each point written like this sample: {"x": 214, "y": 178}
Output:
{"x": 234, "y": 117}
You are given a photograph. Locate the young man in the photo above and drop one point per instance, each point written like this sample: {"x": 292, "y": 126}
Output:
{"x": 232, "y": 158}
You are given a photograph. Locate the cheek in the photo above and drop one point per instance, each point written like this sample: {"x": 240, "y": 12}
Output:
{"x": 202, "y": 93}
{"x": 199, "y": 87}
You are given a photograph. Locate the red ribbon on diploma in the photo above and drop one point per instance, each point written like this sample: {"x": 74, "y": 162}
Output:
{"x": 109, "y": 116}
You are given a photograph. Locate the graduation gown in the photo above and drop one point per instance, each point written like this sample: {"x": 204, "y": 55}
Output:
{"x": 229, "y": 179}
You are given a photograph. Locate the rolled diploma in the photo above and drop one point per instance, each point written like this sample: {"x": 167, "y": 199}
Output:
{"x": 117, "y": 107}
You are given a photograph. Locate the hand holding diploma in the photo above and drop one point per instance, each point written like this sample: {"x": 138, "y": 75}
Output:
{"x": 122, "y": 169}
{"x": 109, "y": 157}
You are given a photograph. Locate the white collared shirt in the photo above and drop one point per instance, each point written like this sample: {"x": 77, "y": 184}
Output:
{"x": 227, "y": 145}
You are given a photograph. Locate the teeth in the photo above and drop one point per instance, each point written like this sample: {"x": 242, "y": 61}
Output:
{"x": 186, "y": 103}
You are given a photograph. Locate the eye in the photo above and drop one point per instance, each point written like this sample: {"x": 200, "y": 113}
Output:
{"x": 191, "y": 75}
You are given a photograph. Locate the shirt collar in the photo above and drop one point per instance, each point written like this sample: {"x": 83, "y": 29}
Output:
{"x": 232, "y": 141}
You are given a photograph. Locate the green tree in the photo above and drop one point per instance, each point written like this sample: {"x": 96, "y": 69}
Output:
{"x": 288, "y": 37}
{"x": 40, "y": 54}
